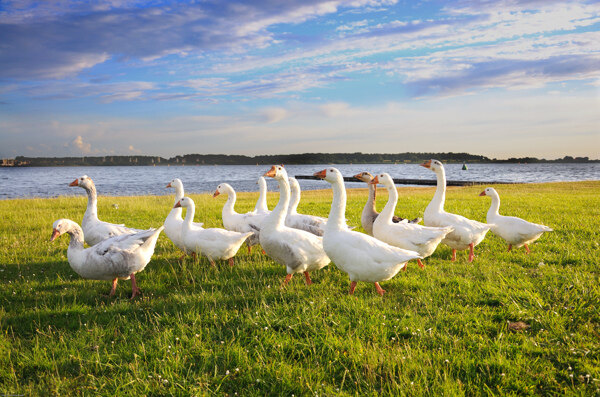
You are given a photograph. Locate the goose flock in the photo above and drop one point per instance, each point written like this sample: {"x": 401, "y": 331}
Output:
{"x": 302, "y": 243}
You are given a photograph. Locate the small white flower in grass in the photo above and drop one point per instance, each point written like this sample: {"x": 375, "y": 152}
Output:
{"x": 503, "y": 374}
{"x": 176, "y": 338}
{"x": 266, "y": 328}
{"x": 222, "y": 342}
{"x": 446, "y": 361}
{"x": 570, "y": 369}
{"x": 393, "y": 338}
{"x": 571, "y": 375}
{"x": 237, "y": 370}
{"x": 227, "y": 372}
{"x": 197, "y": 335}
{"x": 165, "y": 381}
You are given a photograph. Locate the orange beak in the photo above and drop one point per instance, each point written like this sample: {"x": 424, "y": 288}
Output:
{"x": 55, "y": 234}
{"x": 374, "y": 181}
{"x": 358, "y": 176}
{"x": 321, "y": 174}
{"x": 272, "y": 172}
{"x": 482, "y": 193}
{"x": 178, "y": 205}
{"x": 74, "y": 183}
{"x": 169, "y": 185}
{"x": 216, "y": 193}
{"x": 426, "y": 164}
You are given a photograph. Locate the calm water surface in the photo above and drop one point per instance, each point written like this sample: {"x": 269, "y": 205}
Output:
{"x": 133, "y": 181}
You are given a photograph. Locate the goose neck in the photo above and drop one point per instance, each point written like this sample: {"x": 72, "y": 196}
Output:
{"x": 277, "y": 217}
{"x": 337, "y": 214}
{"x": 372, "y": 197}
{"x": 228, "y": 208}
{"x": 92, "y": 205}
{"x": 261, "y": 204}
{"x": 495, "y": 206}
{"x": 294, "y": 200}
{"x": 189, "y": 215}
{"x": 440, "y": 192}
{"x": 390, "y": 206}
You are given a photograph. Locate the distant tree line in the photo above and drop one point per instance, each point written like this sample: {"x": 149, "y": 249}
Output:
{"x": 304, "y": 158}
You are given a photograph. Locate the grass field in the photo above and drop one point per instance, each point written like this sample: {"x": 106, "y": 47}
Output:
{"x": 199, "y": 330}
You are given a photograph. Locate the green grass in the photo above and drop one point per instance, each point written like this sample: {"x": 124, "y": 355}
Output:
{"x": 200, "y": 330}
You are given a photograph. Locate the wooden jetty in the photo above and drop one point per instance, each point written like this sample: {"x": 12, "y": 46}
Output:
{"x": 423, "y": 182}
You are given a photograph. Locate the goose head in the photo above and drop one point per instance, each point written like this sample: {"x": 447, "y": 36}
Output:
{"x": 184, "y": 202}
{"x": 175, "y": 183}
{"x": 83, "y": 181}
{"x": 364, "y": 176}
{"x": 434, "y": 165}
{"x": 384, "y": 179}
{"x": 277, "y": 172}
{"x": 224, "y": 188}
{"x": 489, "y": 191}
{"x": 60, "y": 227}
{"x": 331, "y": 175}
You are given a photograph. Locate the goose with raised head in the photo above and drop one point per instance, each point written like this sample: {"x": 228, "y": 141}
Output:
{"x": 467, "y": 233}
{"x": 369, "y": 213}
{"x": 309, "y": 223}
{"x": 213, "y": 243}
{"x": 298, "y": 250}
{"x": 362, "y": 257}
{"x": 236, "y": 222}
{"x": 410, "y": 236}
{"x": 94, "y": 229}
{"x": 174, "y": 220}
{"x": 515, "y": 231}
{"x": 261, "y": 203}
{"x": 118, "y": 257}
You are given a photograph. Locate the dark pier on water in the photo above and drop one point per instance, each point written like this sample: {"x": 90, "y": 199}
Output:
{"x": 424, "y": 182}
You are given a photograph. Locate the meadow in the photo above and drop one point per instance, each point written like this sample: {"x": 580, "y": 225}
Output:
{"x": 199, "y": 330}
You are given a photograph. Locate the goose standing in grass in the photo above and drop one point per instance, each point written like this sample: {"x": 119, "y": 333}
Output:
{"x": 298, "y": 250}
{"x": 362, "y": 257}
{"x": 467, "y": 233}
{"x": 261, "y": 203}
{"x": 174, "y": 221}
{"x": 309, "y": 223}
{"x": 242, "y": 223}
{"x": 94, "y": 229}
{"x": 118, "y": 257}
{"x": 369, "y": 213}
{"x": 213, "y": 243}
{"x": 410, "y": 236}
{"x": 516, "y": 231}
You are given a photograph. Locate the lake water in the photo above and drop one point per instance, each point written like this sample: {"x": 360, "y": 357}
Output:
{"x": 132, "y": 181}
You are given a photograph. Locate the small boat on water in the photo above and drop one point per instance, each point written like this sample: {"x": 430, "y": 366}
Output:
{"x": 464, "y": 167}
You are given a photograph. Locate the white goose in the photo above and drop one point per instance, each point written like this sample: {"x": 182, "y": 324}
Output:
{"x": 369, "y": 213}
{"x": 174, "y": 220}
{"x": 118, "y": 257}
{"x": 410, "y": 236}
{"x": 242, "y": 223}
{"x": 261, "y": 203}
{"x": 467, "y": 233}
{"x": 299, "y": 251}
{"x": 515, "y": 231}
{"x": 362, "y": 257}
{"x": 309, "y": 223}
{"x": 213, "y": 243}
{"x": 94, "y": 229}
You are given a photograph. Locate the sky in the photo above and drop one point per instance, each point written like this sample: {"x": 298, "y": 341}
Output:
{"x": 500, "y": 78}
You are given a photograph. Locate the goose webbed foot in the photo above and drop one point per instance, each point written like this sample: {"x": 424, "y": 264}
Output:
{"x": 471, "y": 253}
{"x": 352, "y": 287}
{"x": 134, "y": 289}
{"x": 421, "y": 265}
{"x": 308, "y": 280}
{"x": 380, "y": 290}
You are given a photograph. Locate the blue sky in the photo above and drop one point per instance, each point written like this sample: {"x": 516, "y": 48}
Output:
{"x": 498, "y": 78}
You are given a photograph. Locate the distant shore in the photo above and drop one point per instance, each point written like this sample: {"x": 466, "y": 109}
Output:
{"x": 295, "y": 159}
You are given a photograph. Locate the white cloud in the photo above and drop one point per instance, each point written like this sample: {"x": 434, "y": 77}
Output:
{"x": 80, "y": 145}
